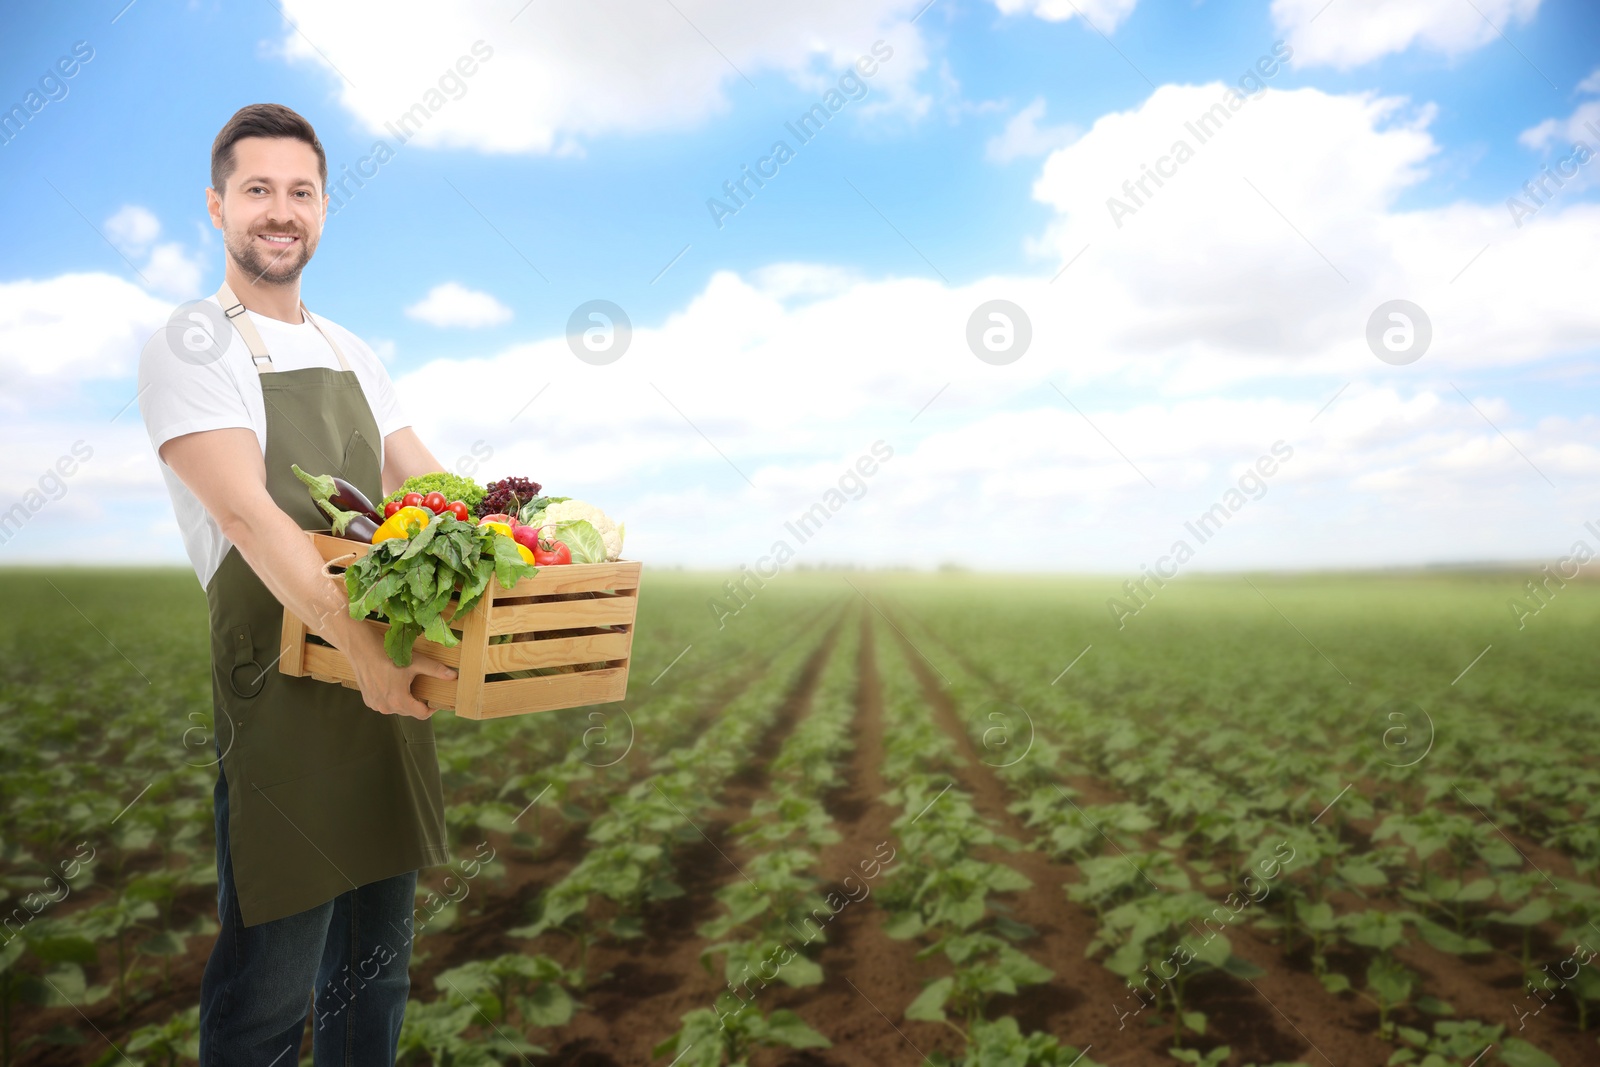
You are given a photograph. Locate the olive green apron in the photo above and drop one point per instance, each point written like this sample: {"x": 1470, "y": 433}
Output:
{"x": 324, "y": 794}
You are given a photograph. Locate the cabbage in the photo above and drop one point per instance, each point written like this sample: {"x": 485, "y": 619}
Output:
{"x": 582, "y": 538}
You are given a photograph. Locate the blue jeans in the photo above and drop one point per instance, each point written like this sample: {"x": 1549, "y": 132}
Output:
{"x": 348, "y": 958}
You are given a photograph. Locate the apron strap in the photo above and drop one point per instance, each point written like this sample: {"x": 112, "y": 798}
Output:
{"x": 235, "y": 311}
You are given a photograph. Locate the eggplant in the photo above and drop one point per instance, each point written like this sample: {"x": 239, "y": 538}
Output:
{"x": 333, "y": 494}
{"x": 347, "y": 497}
{"x": 359, "y": 528}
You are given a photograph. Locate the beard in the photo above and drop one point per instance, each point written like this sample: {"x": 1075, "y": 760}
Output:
{"x": 269, "y": 265}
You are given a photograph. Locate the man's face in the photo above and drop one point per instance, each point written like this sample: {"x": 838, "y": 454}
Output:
{"x": 271, "y": 211}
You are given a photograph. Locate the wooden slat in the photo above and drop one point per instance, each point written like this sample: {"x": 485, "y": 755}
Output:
{"x": 474, "y": 646}
{"x": 554, "y": 692}
{"x": 293, "y": 643}
{"x": 562, "y": 615}
{"x": 620, "y": 575}
{"x": 331, "y": 665}
{"x": 421, "y": 645}
{"x": 556, "y": 652}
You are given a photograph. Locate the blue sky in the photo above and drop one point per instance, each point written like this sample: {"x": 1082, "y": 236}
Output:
{"x": 814, "y": 320}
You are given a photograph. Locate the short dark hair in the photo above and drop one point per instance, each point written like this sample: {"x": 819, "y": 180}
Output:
{"x": 262, "y": 120}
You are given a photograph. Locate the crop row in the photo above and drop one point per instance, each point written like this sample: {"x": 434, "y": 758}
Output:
{"x": 629, "y": 864}
{"x": 942, "y": 894}
{"x": 776, "y": 909}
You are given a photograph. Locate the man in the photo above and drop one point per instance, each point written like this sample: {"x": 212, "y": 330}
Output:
{"x": 327, "y": 799}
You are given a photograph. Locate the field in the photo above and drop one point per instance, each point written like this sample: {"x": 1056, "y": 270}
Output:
{"x": 887, "y": 819}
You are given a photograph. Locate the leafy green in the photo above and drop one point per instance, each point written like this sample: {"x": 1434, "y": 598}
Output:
{"x": 411, "y": 581}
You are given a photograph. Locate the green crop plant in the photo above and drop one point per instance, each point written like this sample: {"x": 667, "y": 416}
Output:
{"x": 1080, "y": 831}
{"x": 1108, "y": 881}
{"x": 123, "y": 920}
{"x": 1465, "y": 840}
{"x": 166, "y": 939}
{"x": 983, "y": 966}
{"x": 1390, "y": 985}
{"x": 774, "y": 899}
{"x": 629, "y": 873}
{"x": 787, "y": 816}
{"x": 1534, "y": 907}
{"x": 536, "y": 986}
{"x": 168, "y": 1044}
{"x": 438, "y": 1030}
{"x": 1455, "y": 1042}
{"x": 1215, "y": 1058}
{"x": 1166, "y": 937}
{"x": 1002, "y": 1043}
{"x": 707, "y": 1039}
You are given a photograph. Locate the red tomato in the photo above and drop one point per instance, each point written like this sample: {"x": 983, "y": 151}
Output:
{"x": 458, "y": 509}
{"x": 434, "y": 502}
{"x": 411, "y": 500}
{"x": 553, "y": 556}
{"x": 391, "y": 507}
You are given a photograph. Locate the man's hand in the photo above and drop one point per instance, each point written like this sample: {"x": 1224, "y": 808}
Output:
{"x": 384, "y": 686}
{"x": 225, "y": 471}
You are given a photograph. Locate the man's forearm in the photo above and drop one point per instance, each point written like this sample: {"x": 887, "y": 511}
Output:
{"x": 292, "y": 569}
{"x": 405, "y": 456}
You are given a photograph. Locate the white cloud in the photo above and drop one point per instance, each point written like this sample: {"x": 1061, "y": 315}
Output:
{"x": 170, "y": 268}
{"x": 1103, "y": 15}
{"x": 1562, "y": 138}
{"x": 452, "y": 304}
{"x": 785, "y": 280}
{"x": 1267, "y": 248}
{"x": 133, "y": 229}
{"x": 1347, "y": 33}
{"x": 62, "y": 332}
{"x": 564, "y": 73}
{"x": 1023, "y": 136}
{"x": 174, "y": 270}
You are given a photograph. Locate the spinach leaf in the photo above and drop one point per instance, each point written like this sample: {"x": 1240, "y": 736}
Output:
{"x": 411, "y": 582}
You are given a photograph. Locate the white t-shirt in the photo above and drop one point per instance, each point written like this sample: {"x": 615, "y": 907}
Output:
{"x": 179, "y": 397}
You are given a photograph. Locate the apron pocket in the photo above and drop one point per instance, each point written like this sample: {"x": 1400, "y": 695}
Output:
{"x": 359, "y": 457}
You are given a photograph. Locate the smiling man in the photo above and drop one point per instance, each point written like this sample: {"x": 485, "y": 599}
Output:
{"x": 327, "y": 799}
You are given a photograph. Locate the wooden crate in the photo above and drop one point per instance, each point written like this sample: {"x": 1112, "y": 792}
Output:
{"x": 551, "y": 628}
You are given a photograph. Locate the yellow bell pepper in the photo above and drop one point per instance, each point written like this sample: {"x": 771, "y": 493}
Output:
{"x": 403, "y": 523}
